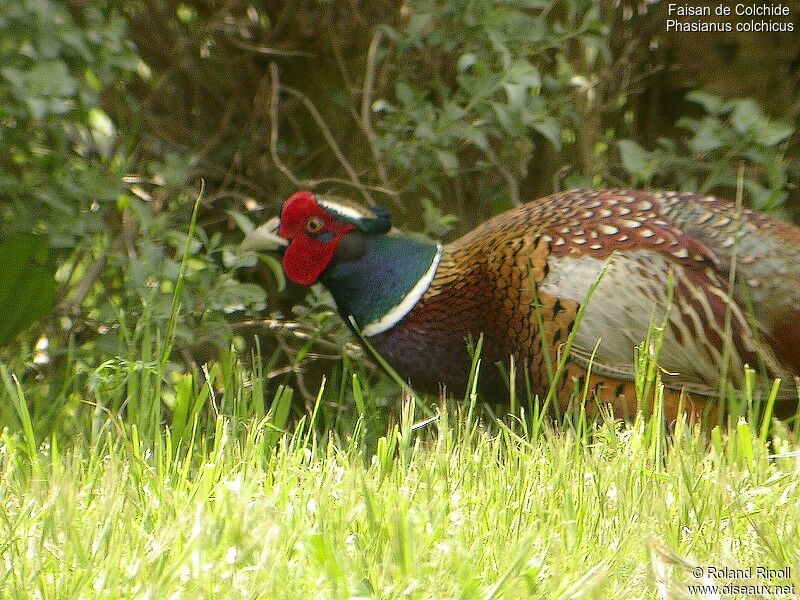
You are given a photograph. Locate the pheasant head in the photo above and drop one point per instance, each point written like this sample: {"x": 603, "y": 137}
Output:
{"x": 375, "y": 273}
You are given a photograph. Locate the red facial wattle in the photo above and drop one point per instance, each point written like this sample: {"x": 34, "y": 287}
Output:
{"x": 308, "y": 255}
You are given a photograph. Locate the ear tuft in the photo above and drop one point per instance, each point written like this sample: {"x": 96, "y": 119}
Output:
{"x": 369, "y": 220}
{"x": 383, "y": 220}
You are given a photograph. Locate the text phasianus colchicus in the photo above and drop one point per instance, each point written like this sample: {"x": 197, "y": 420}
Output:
{"x": 723, "y": 281}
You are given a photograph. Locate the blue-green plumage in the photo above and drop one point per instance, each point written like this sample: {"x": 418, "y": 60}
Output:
{"x": 370, "y": 284}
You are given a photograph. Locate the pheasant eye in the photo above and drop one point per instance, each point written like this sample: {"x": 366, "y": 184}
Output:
{"x": 314, "y": 225}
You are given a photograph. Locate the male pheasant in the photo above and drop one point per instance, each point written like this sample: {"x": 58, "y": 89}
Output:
{"x": 702, "y": 268}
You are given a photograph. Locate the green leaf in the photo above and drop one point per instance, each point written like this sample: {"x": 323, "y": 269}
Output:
{"x": 515, "y": 93}
{"x": 706, "y": 137}
{"x": 27, "y": 283}
{"x": 233, "y": 296}
{"x": 50, "y": 79}
{"x": 185, "y": 13}
{"x": 747, "y": 116}
{"x": 276, "y": 267}
{"x": 437, "y": 223}
{"x": 465, "y": 61}
{"x": 418, "y": 25}
{"x": 774, "y": 133}
{"x": 711, "y": 103}
{"x": 634, "y": 157}
{"x": 174, "y": 170}
{"x": 179, "y": 240}
{"x": 424, "y": 131}
{"x": 448, "y": 160}
{"x": 550, "y": 129}
{"x": 15, "y": 77}
{"x": 242, "y": 220}
{"x": 470, "y": 134}
{"x": 233, "y": 258}
{"x": 406, "y": 94}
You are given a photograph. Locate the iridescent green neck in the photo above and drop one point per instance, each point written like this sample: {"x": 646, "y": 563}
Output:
{"x": 385, "y": 282}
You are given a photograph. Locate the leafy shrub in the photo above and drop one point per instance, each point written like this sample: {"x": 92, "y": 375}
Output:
{"x": 728, "y": 134}
{"x": 451, "y": 110}
{"x": 482, "y": 87}
{"x": 68, "y": 172}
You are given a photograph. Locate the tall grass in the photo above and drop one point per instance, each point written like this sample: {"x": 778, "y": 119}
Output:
{"x": 142, "y": 479}
{"x": 232, "y": 497}
{"x": 454, "y": 506}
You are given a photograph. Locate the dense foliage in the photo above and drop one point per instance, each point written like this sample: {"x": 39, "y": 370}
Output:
{"x": 113, "y": 112}
{"x": 165, "y": 427}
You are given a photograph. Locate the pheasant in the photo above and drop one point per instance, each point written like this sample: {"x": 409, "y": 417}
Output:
{"x": 703, "y": 269}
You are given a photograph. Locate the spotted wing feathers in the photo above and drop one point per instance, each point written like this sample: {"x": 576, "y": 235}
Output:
{"x": 665, "y": 267}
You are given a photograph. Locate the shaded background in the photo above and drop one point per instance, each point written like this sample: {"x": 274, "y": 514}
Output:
{"x": 446, "y": 112}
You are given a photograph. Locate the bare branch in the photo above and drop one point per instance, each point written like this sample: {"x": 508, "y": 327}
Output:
{"x": 266, "y": 50}
{"x": 511, "y": 181}
{"x": 273, "y": 130}
{"x": 372, "y": 188}
{"x": 366, "y": 104}
{"x": 312, "y": 183}
{"x": 333, "y": 39}
{"x": 298, "y": 373}
{"x": 218, "y": 136}
{"x": 331, "y": 140}
{"x": 84, "y": 287}
{"x": 298, "y": 331}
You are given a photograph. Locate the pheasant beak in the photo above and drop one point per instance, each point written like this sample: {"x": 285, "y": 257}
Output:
{"x": 265, "y": 238}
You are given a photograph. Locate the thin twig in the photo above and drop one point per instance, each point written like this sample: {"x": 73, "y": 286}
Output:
{"x": 84, "y": 287}
{"x": 333, "y": 38}
{"x": 266, "y": 50}
{"x": 298, "y": 373}
{"x": 339, "y": 180}
{"x": 366, "y": 104}
{"x": 219, "y": 134}
{"x": 312, "y": 183}
{"x": 219, "y": 194}
{"x": 273, "y": 131}
{"x": 511, "y": 181}
{"x": 298, "y": 331}
{"x": 331, "y": 140}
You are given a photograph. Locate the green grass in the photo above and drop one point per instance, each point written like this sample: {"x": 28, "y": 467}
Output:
{"x": 140, "y": 478}
{"x": 451, "y": 507}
